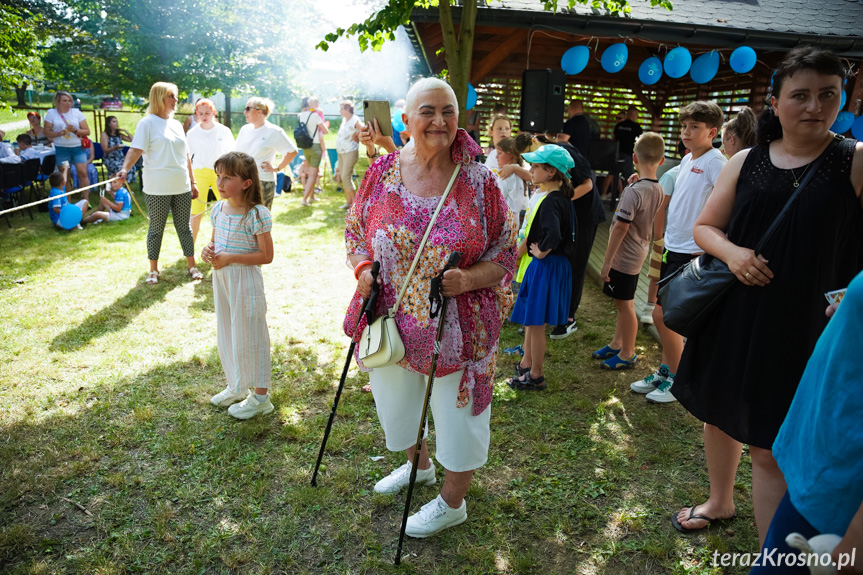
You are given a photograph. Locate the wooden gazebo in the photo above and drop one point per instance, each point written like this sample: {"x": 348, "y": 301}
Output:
{"x": 514, "y": 35}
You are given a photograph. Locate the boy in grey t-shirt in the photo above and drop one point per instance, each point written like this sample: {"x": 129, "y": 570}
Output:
{"x": 628, "y": 245}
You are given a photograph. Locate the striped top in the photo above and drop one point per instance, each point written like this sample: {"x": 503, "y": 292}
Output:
{"x": 235, "y": 234}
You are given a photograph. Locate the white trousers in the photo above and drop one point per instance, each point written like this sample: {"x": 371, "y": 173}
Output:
{"x": 461, "y": 438}
{"x": 243, "y": 338}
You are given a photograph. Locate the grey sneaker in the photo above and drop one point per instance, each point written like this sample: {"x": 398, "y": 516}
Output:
{"x": 400, "y": 477}
{"x": 647, "y": 384}
{"x": 227, "y": 397}
{"x": 434, "y": 517}
{"x": 250, "y": 407}
{"x": 662, "y": 393}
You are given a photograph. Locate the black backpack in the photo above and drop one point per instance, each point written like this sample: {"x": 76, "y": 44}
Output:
{"x": 301, "y": 133}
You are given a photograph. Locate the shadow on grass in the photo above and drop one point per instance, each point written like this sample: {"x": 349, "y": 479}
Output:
{"x": 121, "y": 311}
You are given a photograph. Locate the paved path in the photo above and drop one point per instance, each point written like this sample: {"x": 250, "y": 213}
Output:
{"x": 14, "y": 126}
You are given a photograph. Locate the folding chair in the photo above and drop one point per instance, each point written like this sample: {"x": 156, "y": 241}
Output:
{"x": 12, "y": 187}
{"x": 31, "y": 176}
{"x": 99, "y": 158}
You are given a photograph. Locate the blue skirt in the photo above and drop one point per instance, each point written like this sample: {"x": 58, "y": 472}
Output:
{"x": 545, "y": 292}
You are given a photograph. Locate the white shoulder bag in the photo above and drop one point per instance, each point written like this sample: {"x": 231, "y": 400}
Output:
{"x": 380, "y": 344}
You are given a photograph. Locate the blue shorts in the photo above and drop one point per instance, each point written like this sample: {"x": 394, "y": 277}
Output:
{"x": 73, "y": 155}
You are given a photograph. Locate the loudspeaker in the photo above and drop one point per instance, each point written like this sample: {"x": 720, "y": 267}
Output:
{"x": 542, "y": 100}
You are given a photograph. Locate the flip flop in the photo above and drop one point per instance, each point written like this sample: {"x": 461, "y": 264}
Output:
{"x": 692, "y": 515}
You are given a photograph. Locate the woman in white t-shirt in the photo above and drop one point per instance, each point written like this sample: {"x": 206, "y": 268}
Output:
{"x": 348, "y": 148}
{"x": 66, "y": 125}
{"x": 315, "y": 126}
{"x": 263, "y": 140}
{"x": 169, "y": 185}
{"x": 208, "y": 141}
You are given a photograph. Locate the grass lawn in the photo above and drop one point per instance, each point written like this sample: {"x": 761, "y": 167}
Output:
{"x": 113, "y": 461}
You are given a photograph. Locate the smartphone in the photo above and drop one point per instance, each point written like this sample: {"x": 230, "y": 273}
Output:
{"x": 378, "y": 110}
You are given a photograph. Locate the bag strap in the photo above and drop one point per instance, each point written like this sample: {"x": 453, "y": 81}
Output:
{"x": 392, "y": 311}
{"x": 816, "y": 165}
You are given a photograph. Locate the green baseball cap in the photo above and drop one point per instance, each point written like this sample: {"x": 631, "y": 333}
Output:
{"x": 553, "y": 155}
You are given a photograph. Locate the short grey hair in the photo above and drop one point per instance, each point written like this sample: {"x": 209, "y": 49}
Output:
{"x": 424, "y": 85}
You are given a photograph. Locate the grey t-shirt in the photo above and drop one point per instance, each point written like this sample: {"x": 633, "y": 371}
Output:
{"x": 638, "y": 206}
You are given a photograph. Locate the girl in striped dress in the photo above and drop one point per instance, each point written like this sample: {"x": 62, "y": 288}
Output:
{"x": 241, "y": 244}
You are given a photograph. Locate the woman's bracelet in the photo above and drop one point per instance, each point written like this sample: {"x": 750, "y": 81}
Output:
{"x": 359, "y": 268}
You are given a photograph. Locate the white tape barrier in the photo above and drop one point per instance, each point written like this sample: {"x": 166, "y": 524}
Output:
{"x": 42, "y": 201}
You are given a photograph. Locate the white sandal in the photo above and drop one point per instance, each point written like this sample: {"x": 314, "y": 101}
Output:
{"x": 196, "y": 274}
{"x": 153, "y": 278}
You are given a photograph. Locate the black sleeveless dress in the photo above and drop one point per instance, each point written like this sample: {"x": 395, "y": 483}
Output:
{"x": 741, "y": 372}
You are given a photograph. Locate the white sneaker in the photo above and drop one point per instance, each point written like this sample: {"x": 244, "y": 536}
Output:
{"x": 662, "y": 393}
{"x": 647, "y": 384}
{"x": 434, "y": 517}
{"x": 227, "y": 397}
{"x": 401, "y": 476}
{"x": 646, "y": 315}
{"x": 250, "y": 407}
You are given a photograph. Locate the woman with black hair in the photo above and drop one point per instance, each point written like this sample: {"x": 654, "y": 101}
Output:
{"x": 740, "y": 373}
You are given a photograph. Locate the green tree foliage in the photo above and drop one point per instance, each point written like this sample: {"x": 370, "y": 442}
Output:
{"x": 458, "y": 48}
{"x": 19, "y": 40}
{"x": 200, "y": 45}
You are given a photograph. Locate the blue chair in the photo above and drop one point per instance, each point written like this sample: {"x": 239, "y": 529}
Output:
{"x": 99, "y": 158}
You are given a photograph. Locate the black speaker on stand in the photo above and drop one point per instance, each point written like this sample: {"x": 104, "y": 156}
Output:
{"x": 542, "y": 100}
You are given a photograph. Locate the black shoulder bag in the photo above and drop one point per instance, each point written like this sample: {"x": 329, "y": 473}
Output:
{"x": 690, "y": 295}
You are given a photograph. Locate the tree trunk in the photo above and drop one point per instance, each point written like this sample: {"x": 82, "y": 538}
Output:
{"x": 227, "y": 108}
{"x": 21, "y": 95}
{"x": 458, "y": 50}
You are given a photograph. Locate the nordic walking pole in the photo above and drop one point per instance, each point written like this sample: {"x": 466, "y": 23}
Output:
{"x": 368, "y": 309}
{"x": 438, "y": 304}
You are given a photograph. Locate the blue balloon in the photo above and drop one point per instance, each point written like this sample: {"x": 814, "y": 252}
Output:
{"x": 843, "y": 99}
{"x": 70, "y": 216}
{"x": 650, "y": 71}
{"x": 471, "y": 97}
{"x": 614, "y": 58}
{"x": 704, "y": 68}
{"x": 742, "y": 59}
{"x": 843, "y": 122}
{"x": 575, "y": 59}
{"x": 398, "y": 123}
{"x": 857, "y": 128}
{"x": 677, "y": 62}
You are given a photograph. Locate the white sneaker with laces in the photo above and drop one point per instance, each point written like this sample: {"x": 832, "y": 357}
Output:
{"x": 227, "y": 397}
{"x": 662, "y": 393}
{"x": 401, "y": 476}
{"x": 647, "y": 384}
{"x": 250, "y": 407}
{"x": 434, "y": 517}
{"x": 646, "y": 315}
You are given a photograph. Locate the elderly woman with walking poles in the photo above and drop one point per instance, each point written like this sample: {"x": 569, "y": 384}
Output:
{"x": 390, "y": 215}
{"x": 740, "y": 371}
{"x": 169, "y": 184}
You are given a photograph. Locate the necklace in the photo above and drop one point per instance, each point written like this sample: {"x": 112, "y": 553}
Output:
{"x": 796, "y": 178}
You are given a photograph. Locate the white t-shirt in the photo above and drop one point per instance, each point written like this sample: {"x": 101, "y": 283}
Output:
{"x": 491, "y": 160}
{"x": 514, "y": 192}
{"x": 164, "y": 145}
{"x": 531, "y": 205}
{"x": 344, "y": 143}
{"x": 74, "y": 118}
{"x": 263, "y": 144}
{"x": 314, "y": 125}
{"x": 206, "y": 146}
{"x": 691, "y": 190}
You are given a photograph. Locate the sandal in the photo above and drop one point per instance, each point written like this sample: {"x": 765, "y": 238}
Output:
{"x": 692, "y": 515}
{"x": 196, "y": 274}
{"x": 367, "y": 388}
{"x": 605, "y": 353}
{"x": 519, "y": 370}
{"x": 617, "y": 362}
{"x": 152, "y": 278}
{"x": 527, "y": 383}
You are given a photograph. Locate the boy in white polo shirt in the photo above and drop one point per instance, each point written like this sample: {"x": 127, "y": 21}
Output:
{"x": 700, "y": 122}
